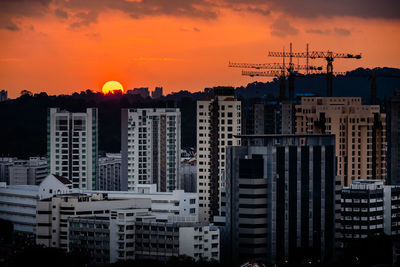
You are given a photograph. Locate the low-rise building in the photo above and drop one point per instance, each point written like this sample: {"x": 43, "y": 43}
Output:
{"x": 368, "y": 207}
{"x": 5, "y": 164}
{"x": 18, "y": 205}
{"x": 54, "y": 185}
{"x": 140, "y": 236}
{"x": 53, "y": 213}
{"x": 163, "y": 204}
{"x": 136, "y": 234}
{"x": 90, "y": 234}
{"x": 28, "y": 172}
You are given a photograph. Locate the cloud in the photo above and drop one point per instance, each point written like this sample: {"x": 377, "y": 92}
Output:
{"x": 282, "y": 28}
{"x": 83, "y": 13}
{"x": 12, "y": 11}
{"x": 11, "y": 26}
{"x": 85, "y": 19}
{"x": 264, "y": 12}
{"x": 387, "y": 9}
{"x": 196, "y": 29}
{"x": 342, "y": 31}
{"x": 318, "y": 31}
{"x": 61, "y": 13}
{"x": 338, "y": 31}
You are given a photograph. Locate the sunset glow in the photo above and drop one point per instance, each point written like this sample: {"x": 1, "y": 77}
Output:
{"x": 112, "y": 87}
{"x": 68, "y": 46}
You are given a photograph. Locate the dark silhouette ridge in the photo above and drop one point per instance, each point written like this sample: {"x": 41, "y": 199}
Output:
{"x": 24, "y": 120}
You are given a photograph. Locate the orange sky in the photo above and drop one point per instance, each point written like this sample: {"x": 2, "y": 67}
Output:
{"x": 49, "y": 53}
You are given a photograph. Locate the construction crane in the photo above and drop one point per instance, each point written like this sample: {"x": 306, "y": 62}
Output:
{"x": 271, "y": 66}
{"x": 281, "y": 75}
{"x": 279, "y": 70}
{"x": 329, "y": 56}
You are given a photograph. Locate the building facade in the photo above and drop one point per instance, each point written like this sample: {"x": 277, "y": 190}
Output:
{"x": 360, "y": 132}
{"x": 368, "y": 207}
{"x": 263, "y": 117}
{"x": 163, "y": 204}
{"x": 218, "y": 121}
{"x": 280, "y": 198}
{"x": 53, "y": 213}
{"x": 5, "y": 164}
{"x": 188, "y": 175}
{"x": 151, "y": 143}
{"x": 92, "y": 235}
{"x": 137, "y": 235}
{"x": 28, "y": 172}
{"x": 394, "y": 140}
{"x": 72, "y": 146}
{"x": 18, "y": 205}
{"x": 129, "y": 234}
{"x": 109, "y": 173}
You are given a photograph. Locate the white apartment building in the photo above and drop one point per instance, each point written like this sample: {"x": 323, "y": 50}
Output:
{"x": 18, "y": 202}
{"x": 135, "y": 234}
{"x": 368, "y": 207}
{"x": 72, "y": 141}
{"x": 218, "y": 121}
{"x": 18, "y": 205}
{"x": 151, "y": 144}
{"x": 28, "y": 172}
{"x": 53, "y": 213}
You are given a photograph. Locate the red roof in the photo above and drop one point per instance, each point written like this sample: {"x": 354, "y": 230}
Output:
{"x": 62, "y": 179}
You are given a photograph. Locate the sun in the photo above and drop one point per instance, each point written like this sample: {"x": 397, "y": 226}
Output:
{"x": 112, "y": 87}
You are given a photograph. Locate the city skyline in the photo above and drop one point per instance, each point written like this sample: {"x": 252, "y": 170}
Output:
{"x": 199, "y": 133}
{"x": 67, "y": 46}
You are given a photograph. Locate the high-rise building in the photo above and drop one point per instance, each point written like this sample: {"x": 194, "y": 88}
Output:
{"x": 393, "y": 134}
{"x": 263, "y": 118}
{"x": 151, "y": 144}
{"x": 109, "y": 172}
{"x": 360, "y": 132}
{"x": 157, "y": 93}
{"x": 72, "y": 146}
{"x": 142, "y": 91}
{"x": 28, "y": 172}
{"x": 218, "y": 121}
{"x": 287, "y": 117}
{"x": 280, "y": 198}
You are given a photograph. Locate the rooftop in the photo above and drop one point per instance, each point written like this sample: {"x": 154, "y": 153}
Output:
{"x": 62, "y": 179}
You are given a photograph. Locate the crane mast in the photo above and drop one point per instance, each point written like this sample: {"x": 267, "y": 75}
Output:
{"x": 329, "y": 56}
